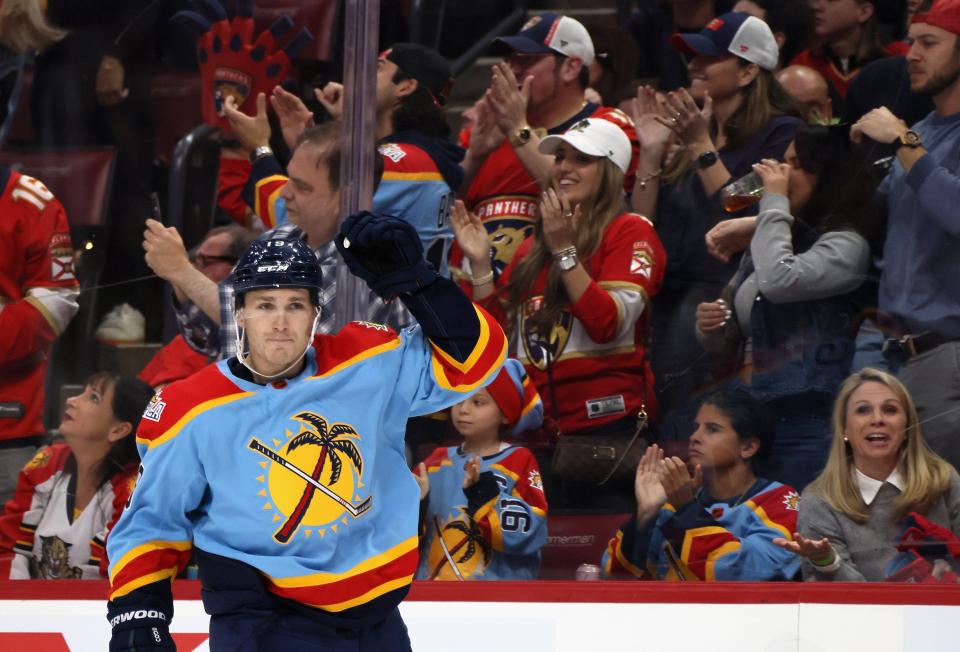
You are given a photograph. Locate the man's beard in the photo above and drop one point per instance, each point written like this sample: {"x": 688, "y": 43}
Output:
{"x": 941, "y": 82}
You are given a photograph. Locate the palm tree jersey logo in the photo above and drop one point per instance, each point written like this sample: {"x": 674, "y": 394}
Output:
{"x": 312, "y": 478}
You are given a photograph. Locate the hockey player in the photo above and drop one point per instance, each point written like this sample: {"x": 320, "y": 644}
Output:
{"x": 723, "y": 530}
{"x": 38, "y": 298}
{"x": 486, "y": 515}
{"x": 282, "y": 470}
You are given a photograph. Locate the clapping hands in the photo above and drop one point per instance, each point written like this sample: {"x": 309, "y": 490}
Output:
{"x": 661, "y": 480}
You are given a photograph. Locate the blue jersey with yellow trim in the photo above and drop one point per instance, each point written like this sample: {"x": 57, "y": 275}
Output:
{"x": 305, "y": 479}
{"x": 712, "y": 539}
{"x": 412, "y": 188}
{"x": 493, "y": 530}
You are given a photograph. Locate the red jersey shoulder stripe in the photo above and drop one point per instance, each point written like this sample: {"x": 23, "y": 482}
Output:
{"x": 357, "y": 341}
{"x": 178, "y": 403}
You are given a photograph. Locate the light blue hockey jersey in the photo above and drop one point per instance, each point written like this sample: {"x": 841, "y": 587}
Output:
{"x": 304, "y": 480}
{"x": 493, "y": 530}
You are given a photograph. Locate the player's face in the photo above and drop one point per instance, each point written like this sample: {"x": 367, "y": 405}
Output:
{"x": 576, "y": 173}
{"x": 277, "y": 323}
{"x": 833, "y": 18}
{"x": 478, "y": 416}
{"x": 722, "y": 77}
{"x": 88, "y": 417}
{"x": 876, "y": 423}
{"x": 312, "y": 203}
{"x": 933, "y": 60}
{"x": 714, "y": 445}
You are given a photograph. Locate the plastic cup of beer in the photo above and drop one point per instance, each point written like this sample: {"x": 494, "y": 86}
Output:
{"x": 743, "y": 192}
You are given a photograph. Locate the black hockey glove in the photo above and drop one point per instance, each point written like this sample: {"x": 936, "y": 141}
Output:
{"x": 139, "y": 630}
{"x": 385, "y": 252}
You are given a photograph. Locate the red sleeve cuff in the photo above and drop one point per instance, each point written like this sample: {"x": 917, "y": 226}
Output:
{"x": 598, "y": 313}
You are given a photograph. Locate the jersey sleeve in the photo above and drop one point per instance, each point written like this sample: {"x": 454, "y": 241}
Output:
{"x": 152, "y": 540}
{"x": 514, "y": 518}
{"x": 122, "y": 486}
{"x": 48, "y": 285}
{"x": 456, "y": 348}
{"x": 708, "y": 551}
{"x": 233, "y": 176}
{"x": 414, "y": 190}
{"x": 628, "y": 273}
{"x": 627, "y": 555}
{"x": 262, "y": 191}
{"x": 22, "y": 513}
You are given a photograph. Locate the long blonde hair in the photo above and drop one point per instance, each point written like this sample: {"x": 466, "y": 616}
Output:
{"x": 925, "y": 474}
{"x": 24, "y": 26}
{"x": 605, "y": 203}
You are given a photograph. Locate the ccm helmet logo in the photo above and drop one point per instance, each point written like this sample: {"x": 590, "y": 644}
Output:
{"x": 275, "y": 267}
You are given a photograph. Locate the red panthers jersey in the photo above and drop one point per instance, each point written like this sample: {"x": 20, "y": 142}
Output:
{"x": 38, "y": 296}
{"x": 505, "y": 196}
{"x": 591, "y": 369}
{"x": 49, "y": 537}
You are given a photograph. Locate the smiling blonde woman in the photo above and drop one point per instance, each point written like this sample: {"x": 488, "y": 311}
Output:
{"x": 880, "y": 470}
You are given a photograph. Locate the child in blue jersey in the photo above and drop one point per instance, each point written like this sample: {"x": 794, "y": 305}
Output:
{"x": 719, "y": 523}
{"x": 484, "y": 511}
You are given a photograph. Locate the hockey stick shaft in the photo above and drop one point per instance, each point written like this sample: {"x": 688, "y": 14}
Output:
{"x": 266, "y": 452}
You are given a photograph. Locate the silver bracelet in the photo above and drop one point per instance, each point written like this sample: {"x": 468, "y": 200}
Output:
{"x": 566, "y": 251}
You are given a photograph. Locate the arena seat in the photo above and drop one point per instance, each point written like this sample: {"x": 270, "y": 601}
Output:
{"x": 574, "y": 539}
{"x": 175, "y": 102}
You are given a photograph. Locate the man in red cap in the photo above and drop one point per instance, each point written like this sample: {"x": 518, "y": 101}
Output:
{"x": 922, "y": 251}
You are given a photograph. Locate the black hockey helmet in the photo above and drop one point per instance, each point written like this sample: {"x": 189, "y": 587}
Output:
{"x": 277, "y": 264}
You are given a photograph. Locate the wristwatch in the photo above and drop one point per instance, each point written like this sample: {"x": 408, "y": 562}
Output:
{"x": 521, "y": 137}
{"x": 260, "y": 152}
{"x": 567, "y": 261}
{"x": 910, "y": 139}
{"x": 707, "y": 159}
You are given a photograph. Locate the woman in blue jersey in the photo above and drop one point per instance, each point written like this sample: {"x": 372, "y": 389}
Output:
{"x": 486, "y": 514}
{"x": 718, "y": 522}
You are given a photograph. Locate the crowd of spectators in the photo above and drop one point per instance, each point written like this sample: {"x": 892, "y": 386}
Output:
{"x": 712, "y": 343}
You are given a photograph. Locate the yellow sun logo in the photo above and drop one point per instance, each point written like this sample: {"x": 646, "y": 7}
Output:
{"x": 313, "y": 477}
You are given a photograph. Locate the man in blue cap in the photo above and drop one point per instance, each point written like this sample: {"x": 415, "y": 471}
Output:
{"x": 537, "y": 90}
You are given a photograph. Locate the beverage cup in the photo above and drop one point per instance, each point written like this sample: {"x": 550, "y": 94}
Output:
{"x": 741, "y": 193}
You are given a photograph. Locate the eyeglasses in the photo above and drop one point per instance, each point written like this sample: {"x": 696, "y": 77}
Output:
{"x": 203, "y": 260}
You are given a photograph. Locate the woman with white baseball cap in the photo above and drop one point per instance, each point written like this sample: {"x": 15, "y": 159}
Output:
{"x": 735, "y": 114}
{"x": 576, "y": 293}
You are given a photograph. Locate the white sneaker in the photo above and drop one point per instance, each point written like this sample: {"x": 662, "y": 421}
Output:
{"x": 123, "y": 324}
